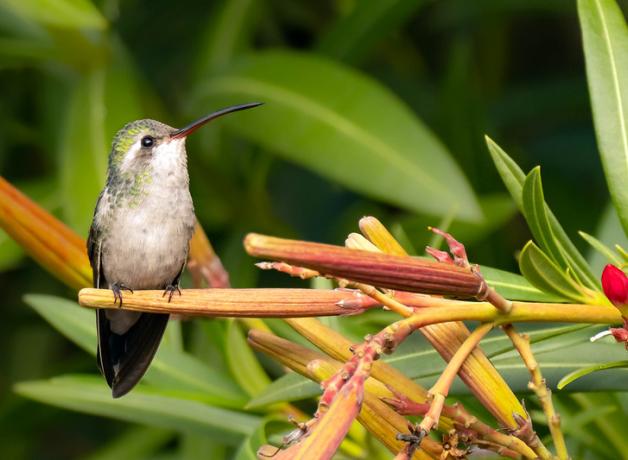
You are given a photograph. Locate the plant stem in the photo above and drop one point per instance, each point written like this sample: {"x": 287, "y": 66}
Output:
{"x": 538, "y": 385}
{"x": 440, "y": 390}
{"x": 520, "y": 312}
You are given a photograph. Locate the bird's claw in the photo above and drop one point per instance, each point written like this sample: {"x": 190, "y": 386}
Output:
{"x": 170, "y": 290}
{"x": 117, "y": 289}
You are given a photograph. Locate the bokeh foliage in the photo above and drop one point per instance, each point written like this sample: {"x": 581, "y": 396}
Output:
{"x": 372, "y": 108}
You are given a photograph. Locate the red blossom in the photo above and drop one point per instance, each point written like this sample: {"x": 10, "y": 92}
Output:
{"x": 615, "y": 285}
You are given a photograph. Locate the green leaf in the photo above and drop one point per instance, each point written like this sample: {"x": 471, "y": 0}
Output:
{"x": 353, "y": 35}
{"x": 187, "y": 376}
{"x": 575, "y": 375}
{"x": 76, "y": 323}
{"x": 173, "y": 336}
{"x": 418, "y": 349}
{"x": 288, "y": 387}
{"x": 605, "y": 40}
{"x": 601, "y": 248}
{"x": 515, "y": 287}
{"x": 244, "y": 366}
{"x": 135, "y": 442}
{"x": 514, "y": 178}
{"x": 171, "y": 370}
{"x": 545, "y": 275}
{"x": 535, "y": 212}
{"x": 195, "y": 446}
{"x": 90, "y": 395}
{"x": 559, "y": 355}
{"x": 610, "y": 233}
{"x": 321, "y": 114}
{"x": 71, "y": 14}
{"x": 558, "y": 350}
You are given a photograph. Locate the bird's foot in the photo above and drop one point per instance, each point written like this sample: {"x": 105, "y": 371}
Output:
{"x": 117, "y": 289}
{"x": 170, "y": 290}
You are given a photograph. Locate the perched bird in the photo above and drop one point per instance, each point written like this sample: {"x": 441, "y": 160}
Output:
{"x": 139, "y": 239}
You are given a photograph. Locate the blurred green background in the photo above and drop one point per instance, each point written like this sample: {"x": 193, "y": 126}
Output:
{"x": 73, "y": 72}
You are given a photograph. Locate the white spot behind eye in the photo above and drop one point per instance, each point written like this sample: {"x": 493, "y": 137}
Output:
{"x": 131, "y": 154}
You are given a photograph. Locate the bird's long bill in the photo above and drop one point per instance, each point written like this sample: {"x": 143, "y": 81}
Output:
{"x": 189, "y": 129}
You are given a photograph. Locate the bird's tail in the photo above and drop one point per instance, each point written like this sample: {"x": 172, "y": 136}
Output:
{"x": 124, "y": 358}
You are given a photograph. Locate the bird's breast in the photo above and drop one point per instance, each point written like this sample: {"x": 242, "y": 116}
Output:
{"x": 146, "y": 244}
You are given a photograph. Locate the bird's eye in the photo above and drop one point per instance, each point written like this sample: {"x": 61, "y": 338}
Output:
{"x": 147, "y": 141}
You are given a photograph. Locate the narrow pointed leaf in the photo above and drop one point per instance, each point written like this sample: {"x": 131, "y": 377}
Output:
{"x": 545, "y": 275}
{"x": 181, "y": 372}
{"x": 605, "y": 40}
{"x": 514, "y": 286}
{"x": 193, "y": 446}
{"x": 610, "y": 233}
{"x": 572, "y": 376}
{"x": 89, "y": 395}
{"x": 535, "y": 212}
{"x": 601, "y": 248}
{"x": 559, "y": 350}
{"x": 333, "y": 129}
{"x": 75, "y": 323}
{"x": 514, "y": 178}
{"x": 140, "y": 442}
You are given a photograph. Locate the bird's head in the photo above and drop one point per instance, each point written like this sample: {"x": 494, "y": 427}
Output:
{"x": 144, "y": 143}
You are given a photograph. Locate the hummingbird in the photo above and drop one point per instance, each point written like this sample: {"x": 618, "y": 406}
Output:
{"x": 139, "y": 239}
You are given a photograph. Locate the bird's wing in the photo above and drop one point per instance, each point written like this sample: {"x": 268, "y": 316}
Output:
{"x": 94, "y": 246}
{"x": 94, "y": 252}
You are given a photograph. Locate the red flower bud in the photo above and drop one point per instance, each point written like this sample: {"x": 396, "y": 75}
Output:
{"x": 615, "y": 285}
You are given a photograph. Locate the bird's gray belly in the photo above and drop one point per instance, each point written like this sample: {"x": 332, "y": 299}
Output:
{"x": 144, "y": 252}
